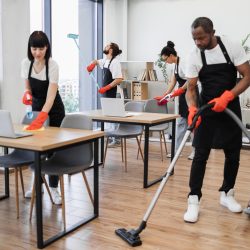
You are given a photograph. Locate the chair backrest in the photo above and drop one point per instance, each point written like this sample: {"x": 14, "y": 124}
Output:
{"x": 134, "y": 107}
{"x": 81, "y": 155}
{"x": 27, "y": 121}
{"x": 151, "y": 106}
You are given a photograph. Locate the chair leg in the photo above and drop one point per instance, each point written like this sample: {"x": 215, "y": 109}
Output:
{"x": 105, "y": 152}
{"x": 17, "y": 196}
{"x": 47, "y": 188}
{"x": 87, "y": 186}
{"x": 125, "y": 154}
{"x": 139, "y": 148}
{"x": 161, "y": 146}
{"x": 21, "y": 178}
{"x": 32, "y": 199}
{"x": 122, "y": 149}
{"x": 63, "y": 201}
{"x": 165, "y": 143}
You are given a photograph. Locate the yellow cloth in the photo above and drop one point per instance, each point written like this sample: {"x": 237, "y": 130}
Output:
{"x": 40, "y": 129}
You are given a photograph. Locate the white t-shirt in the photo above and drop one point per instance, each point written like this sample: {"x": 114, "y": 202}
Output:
{"x": 215, "y": 56}
{"x": 115, "y": 67}
{"x": 53, "y": 71}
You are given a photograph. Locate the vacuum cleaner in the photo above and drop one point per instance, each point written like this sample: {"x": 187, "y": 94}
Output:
{"x": 132, "y": 237}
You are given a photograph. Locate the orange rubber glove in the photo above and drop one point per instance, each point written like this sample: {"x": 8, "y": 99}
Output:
{"x": 105, "y": 89}
{"x": 192, "y": 112}
{"x": 158, "y": 98}
{"x": 222, "y": 101}
{"x": 163, "y": 102}
{"x": 91, "y": 67}
{"x": 178, "y": 92}
{"x": 27, "y": 98}
{"x": 38, "y": 122}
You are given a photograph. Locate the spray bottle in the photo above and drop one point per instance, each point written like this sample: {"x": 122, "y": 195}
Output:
{"x": 29, "y": 113}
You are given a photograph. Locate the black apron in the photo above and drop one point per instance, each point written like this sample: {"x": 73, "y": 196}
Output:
{"x": 218, "y": 130}
{"x": 39, "y": 89}
{"x": 107, "y": 79}
{"x": 183, "y": 108}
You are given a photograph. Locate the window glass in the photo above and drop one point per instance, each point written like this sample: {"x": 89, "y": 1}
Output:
{"x": 65, "y": 50}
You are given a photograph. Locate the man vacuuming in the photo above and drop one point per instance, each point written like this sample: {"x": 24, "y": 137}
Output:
{"x": 215, "y": 62}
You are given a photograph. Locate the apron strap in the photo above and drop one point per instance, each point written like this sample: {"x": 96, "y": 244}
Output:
{"x": 47, "y": 69}
{"x": 224, "y": 51}
{"x": 203, "y": 58}
{"x": 176, "y": 67}
{"x": 110, "y": 62}
{"x": 31, "y": 65}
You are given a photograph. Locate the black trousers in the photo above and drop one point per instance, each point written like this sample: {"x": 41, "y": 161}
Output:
{"x": 231, "y": 166}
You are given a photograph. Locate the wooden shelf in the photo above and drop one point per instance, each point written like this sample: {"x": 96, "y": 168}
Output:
{"x": 144, "y": 71}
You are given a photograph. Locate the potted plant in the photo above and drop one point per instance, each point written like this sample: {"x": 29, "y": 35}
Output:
{"x": 243, "y": 43}
{"x": 163, "y": 67}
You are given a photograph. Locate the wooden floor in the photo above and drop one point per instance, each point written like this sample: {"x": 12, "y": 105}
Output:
{"x": 123, "y": 203}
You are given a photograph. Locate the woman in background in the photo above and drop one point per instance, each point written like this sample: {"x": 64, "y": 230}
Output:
{"x": 169, "y": 55}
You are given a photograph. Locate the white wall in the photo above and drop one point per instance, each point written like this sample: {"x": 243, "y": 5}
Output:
{"x": 115, "y": 24}
{"x": 15, "y": 32}
{"x": 152, "y": 23}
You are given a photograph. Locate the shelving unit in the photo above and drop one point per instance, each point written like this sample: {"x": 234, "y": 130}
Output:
{"x": 139, "y": 79}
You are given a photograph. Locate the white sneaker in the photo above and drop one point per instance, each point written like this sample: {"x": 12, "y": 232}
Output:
{"x": 247, "y": 210}
{"x": 191, "y": 156}
{"x": 56, "y": 196}
{"x": 192, "y": 212}
{"x": 28, "y": 193}
{"x": 227, "y": 200}
{"x": 168, "y": 155}
{"x": 114, "y": 143}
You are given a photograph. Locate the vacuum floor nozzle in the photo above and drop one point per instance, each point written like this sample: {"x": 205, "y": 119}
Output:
{"x": 130, "y": 237}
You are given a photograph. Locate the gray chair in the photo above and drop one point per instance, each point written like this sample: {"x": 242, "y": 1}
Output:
{"x": 126, "y": 131}
{"x": 151, "y": 106}
{"x": 69, "y": 161}
{"x": 18, "y": 159}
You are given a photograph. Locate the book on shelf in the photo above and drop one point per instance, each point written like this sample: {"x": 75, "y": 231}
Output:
{"x": 147, "y": 75}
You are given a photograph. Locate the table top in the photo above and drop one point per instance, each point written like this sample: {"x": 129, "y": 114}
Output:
{"x": 137, "y": 117}
{"x": 50, "y": 138}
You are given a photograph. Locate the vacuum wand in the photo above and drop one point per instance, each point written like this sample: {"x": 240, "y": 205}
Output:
{"x": 75, "y": 37}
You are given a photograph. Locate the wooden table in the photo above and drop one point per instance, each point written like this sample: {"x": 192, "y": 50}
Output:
{"x": 50, "y": 140}
{"x": 145, "y": 119}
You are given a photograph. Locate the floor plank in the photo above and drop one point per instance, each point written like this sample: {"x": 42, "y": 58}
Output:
{"x": 123, "y": 203}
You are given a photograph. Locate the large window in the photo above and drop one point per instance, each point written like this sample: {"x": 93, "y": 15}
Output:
{"x": 65, "y": 43}
{"x": 75, "y": 30}
{"x": 36, "y": 15}
{"x": 75, "y": 34}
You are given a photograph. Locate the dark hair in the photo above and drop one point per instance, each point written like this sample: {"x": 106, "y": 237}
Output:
{"x": 203, "y": 22}
{"x": 169, "y": 49}
{"x": 39, "y": 39}
{"x": 116, "y": 50}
